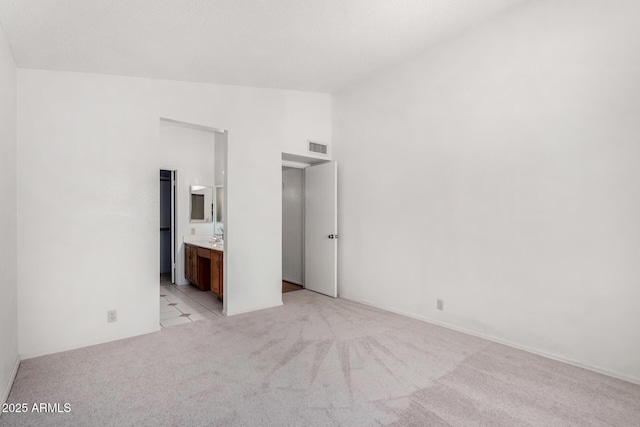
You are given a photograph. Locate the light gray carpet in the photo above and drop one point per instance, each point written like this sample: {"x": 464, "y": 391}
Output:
{"x": 316, "y": 361}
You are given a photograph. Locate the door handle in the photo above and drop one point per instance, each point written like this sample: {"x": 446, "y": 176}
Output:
{"x": 333, "y": 236}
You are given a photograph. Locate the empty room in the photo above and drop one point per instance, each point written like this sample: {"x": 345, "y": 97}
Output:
{"x": 339, "y": 212}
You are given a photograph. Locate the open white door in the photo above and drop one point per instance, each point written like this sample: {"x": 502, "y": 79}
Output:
{"x": 321, "y": 229}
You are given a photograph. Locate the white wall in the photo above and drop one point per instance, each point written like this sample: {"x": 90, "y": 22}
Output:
{"x": 8, "y": 220}
{"x": 306, "y": 114}
{"x": 93, "y": 139}
{"x": 292, "y": 225}
{"x": 191, "y": 153}
{"x": 499, "y": 171}
{"x": 220, "y": 193}
{"x": 219, "y": 155}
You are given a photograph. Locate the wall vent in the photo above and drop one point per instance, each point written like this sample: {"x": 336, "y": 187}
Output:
{"x": 317, "y": 147}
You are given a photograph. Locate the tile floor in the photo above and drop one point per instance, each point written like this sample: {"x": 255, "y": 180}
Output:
{"x": 184, "y": 304}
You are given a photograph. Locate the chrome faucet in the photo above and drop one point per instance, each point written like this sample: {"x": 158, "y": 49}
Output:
{"x": 218, "y": 236}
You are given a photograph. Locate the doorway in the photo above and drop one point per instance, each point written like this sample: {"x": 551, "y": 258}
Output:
{"x": 200, "y": 154}
{"x": 292, "y": 229}
{"x": 309, "y": 224}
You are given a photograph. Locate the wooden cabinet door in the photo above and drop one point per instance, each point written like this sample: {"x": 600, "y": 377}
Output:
{"x": 187, "y": 263}
{"x": 190, "y": 263}
{"x": 194, "y": 265}
{"x": 216, "y": 267}
{"x": 221, "y": 275}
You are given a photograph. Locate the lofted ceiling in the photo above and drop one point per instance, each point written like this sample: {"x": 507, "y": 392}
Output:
{"x": 313, "y": 45}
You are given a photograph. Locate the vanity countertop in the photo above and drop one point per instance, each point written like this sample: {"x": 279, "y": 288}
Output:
{"x": 208, "y": 245}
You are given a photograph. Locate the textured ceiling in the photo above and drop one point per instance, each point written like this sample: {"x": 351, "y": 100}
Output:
{"x": 314, "y": 45}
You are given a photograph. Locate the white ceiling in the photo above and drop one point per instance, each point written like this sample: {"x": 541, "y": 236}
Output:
{"x": 314, "y": 45}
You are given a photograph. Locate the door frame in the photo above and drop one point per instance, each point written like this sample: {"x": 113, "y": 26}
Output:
{"x": 301, "y": 166}
{"x": 173, "y": 221}
{"x": 302, "y": 162}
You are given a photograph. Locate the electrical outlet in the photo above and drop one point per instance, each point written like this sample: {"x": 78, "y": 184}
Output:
{"x": 441, "y": 304}
{"x": 112, "y": 316}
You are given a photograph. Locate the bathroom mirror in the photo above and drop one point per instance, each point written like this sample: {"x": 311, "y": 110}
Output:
{"x": 219, "y": 203}
{"x": 202, "y": 203}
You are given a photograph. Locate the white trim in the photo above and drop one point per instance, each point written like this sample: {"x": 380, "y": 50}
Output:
{"x": 192, "y": 125}
{"x": 249, "y": 310}
{"x": 296, "y": 165}
{"x": 620, "y": 376}
{"x": 12, "y": 378}
{"x": 174, "y": 226}
{"x": 60, "y": 349}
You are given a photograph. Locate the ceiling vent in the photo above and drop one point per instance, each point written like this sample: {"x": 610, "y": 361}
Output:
{"x": 318, "y": 148}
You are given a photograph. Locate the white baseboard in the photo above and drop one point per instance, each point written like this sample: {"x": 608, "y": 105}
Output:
{"x": 12, "y": 377}
{"x": 598, "y": 369}
{"x": 248, "y": 310}
{"x": 59, "y": 349}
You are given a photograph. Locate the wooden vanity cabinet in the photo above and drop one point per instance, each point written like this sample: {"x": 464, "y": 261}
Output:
{"x": 216, "y": 273}
{"x": 190, "y": 263}
{"x": 203, "y": 268}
